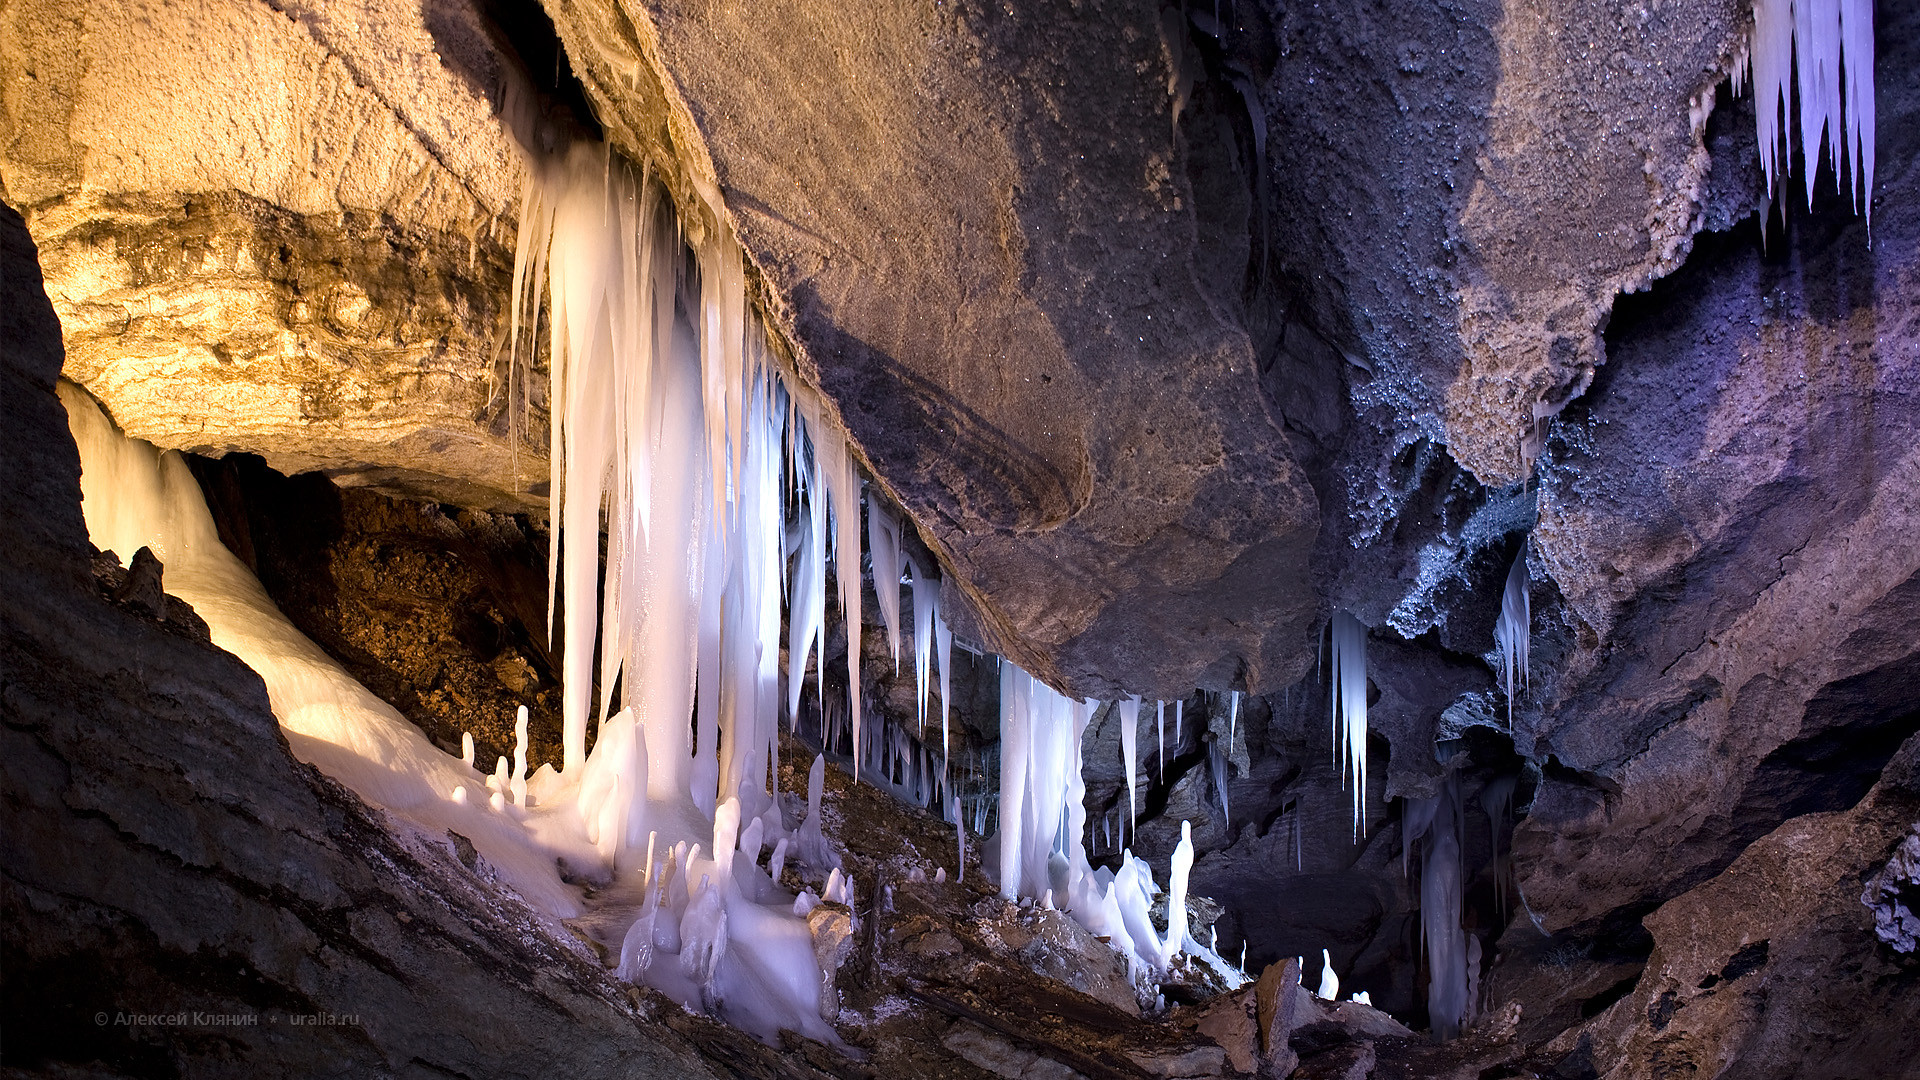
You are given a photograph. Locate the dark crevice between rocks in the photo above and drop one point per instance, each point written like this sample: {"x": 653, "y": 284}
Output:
{"x": 439, "y": 611}
{"x": 524, "y": 35}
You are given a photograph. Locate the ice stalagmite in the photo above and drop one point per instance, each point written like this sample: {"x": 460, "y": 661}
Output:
{"x": 1177, "y": 896}
{"x": 1329, "y": 982}
{"x": 1043, "y": 823}
{"x": 1350, "y": 709}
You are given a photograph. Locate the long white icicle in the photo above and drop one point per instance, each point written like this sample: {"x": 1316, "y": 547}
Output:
{"x": 1350, "y": 708}
{"x": 1513, "y": 629}
{"x": 1823, "y": 50}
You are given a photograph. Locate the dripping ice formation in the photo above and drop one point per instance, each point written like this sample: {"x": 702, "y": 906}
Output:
{"x": 762, "y": 975}
{"x": 1436, "y": 823}
{"x": 675, "y": 432}
{"x": 1820, "y": 51}
{"x": 1043, "y": 820}
{"x": 671, "y": 419}
{"x": 1350, "y": 708}
{"x": 672, "y": 424}
{"x": 1513, "y": 629}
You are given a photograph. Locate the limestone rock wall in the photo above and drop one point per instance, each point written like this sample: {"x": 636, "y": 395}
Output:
{"x": 283, "y": 228}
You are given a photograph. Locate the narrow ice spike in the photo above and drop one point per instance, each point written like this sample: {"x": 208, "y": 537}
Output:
{"x": 1512, "y": 631}
{"x": 1350, "y": 709}
{"x": 1217, "y": 765}
{"x": 960, "y": 835}
{"x": 883, "y": 546}
{"x": 519, "y": 782}
{"x": 1160, "y": 725}
{"x": 943, "y": 650}
{"x": 1823, "y": 49}
{"x": 1129, "y": 711}
{"x": 806, "y": 620}
{"x": 926, "y": 598}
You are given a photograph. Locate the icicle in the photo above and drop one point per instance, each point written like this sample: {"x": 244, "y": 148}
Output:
{"x": 1512, "y": 631}
{"x": 960, "y": 835}
{"x": 1496, "y": 798}
{"x": 1129, "y": 711}
{"x": 1350, "y": 709}
{"x": 1822, "y": 42}
{"x": 943, "y": 649}
{"x": 1160, "y": 726}
{"x": 883, "y": 544}
{"x": 806, "y": 621}
{"x": 926, "y": 602}
{"x": 1217, "y": 765}
{"x": 843, "y": 494}
{"x": 1179, "y": 712}
{"x": 1441, "y": 899}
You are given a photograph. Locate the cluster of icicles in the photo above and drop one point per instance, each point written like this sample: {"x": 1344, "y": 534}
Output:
{"x": 1820, "y": 54}
{"x": 723, "y": 494}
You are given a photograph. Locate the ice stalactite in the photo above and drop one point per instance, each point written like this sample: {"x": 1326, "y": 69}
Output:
{"x": 1217, "y": 766}
{"x": 1436, "y": 823}
{"x": 1160, "y": 727}
{"x": 1350, "y": 709}
{"x": 1129, "y": 711}
{"x": 1512, "y": 631}
{"x": 889, "y": 566}
{"x": 1497, "y": 800}
{"x": 1043, "y": 821}
{"x": 672, "y": 427}
{"x": 1819, "y": 52}
{"x": 926, "y": 599}
{"x": 807, "y": 606}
